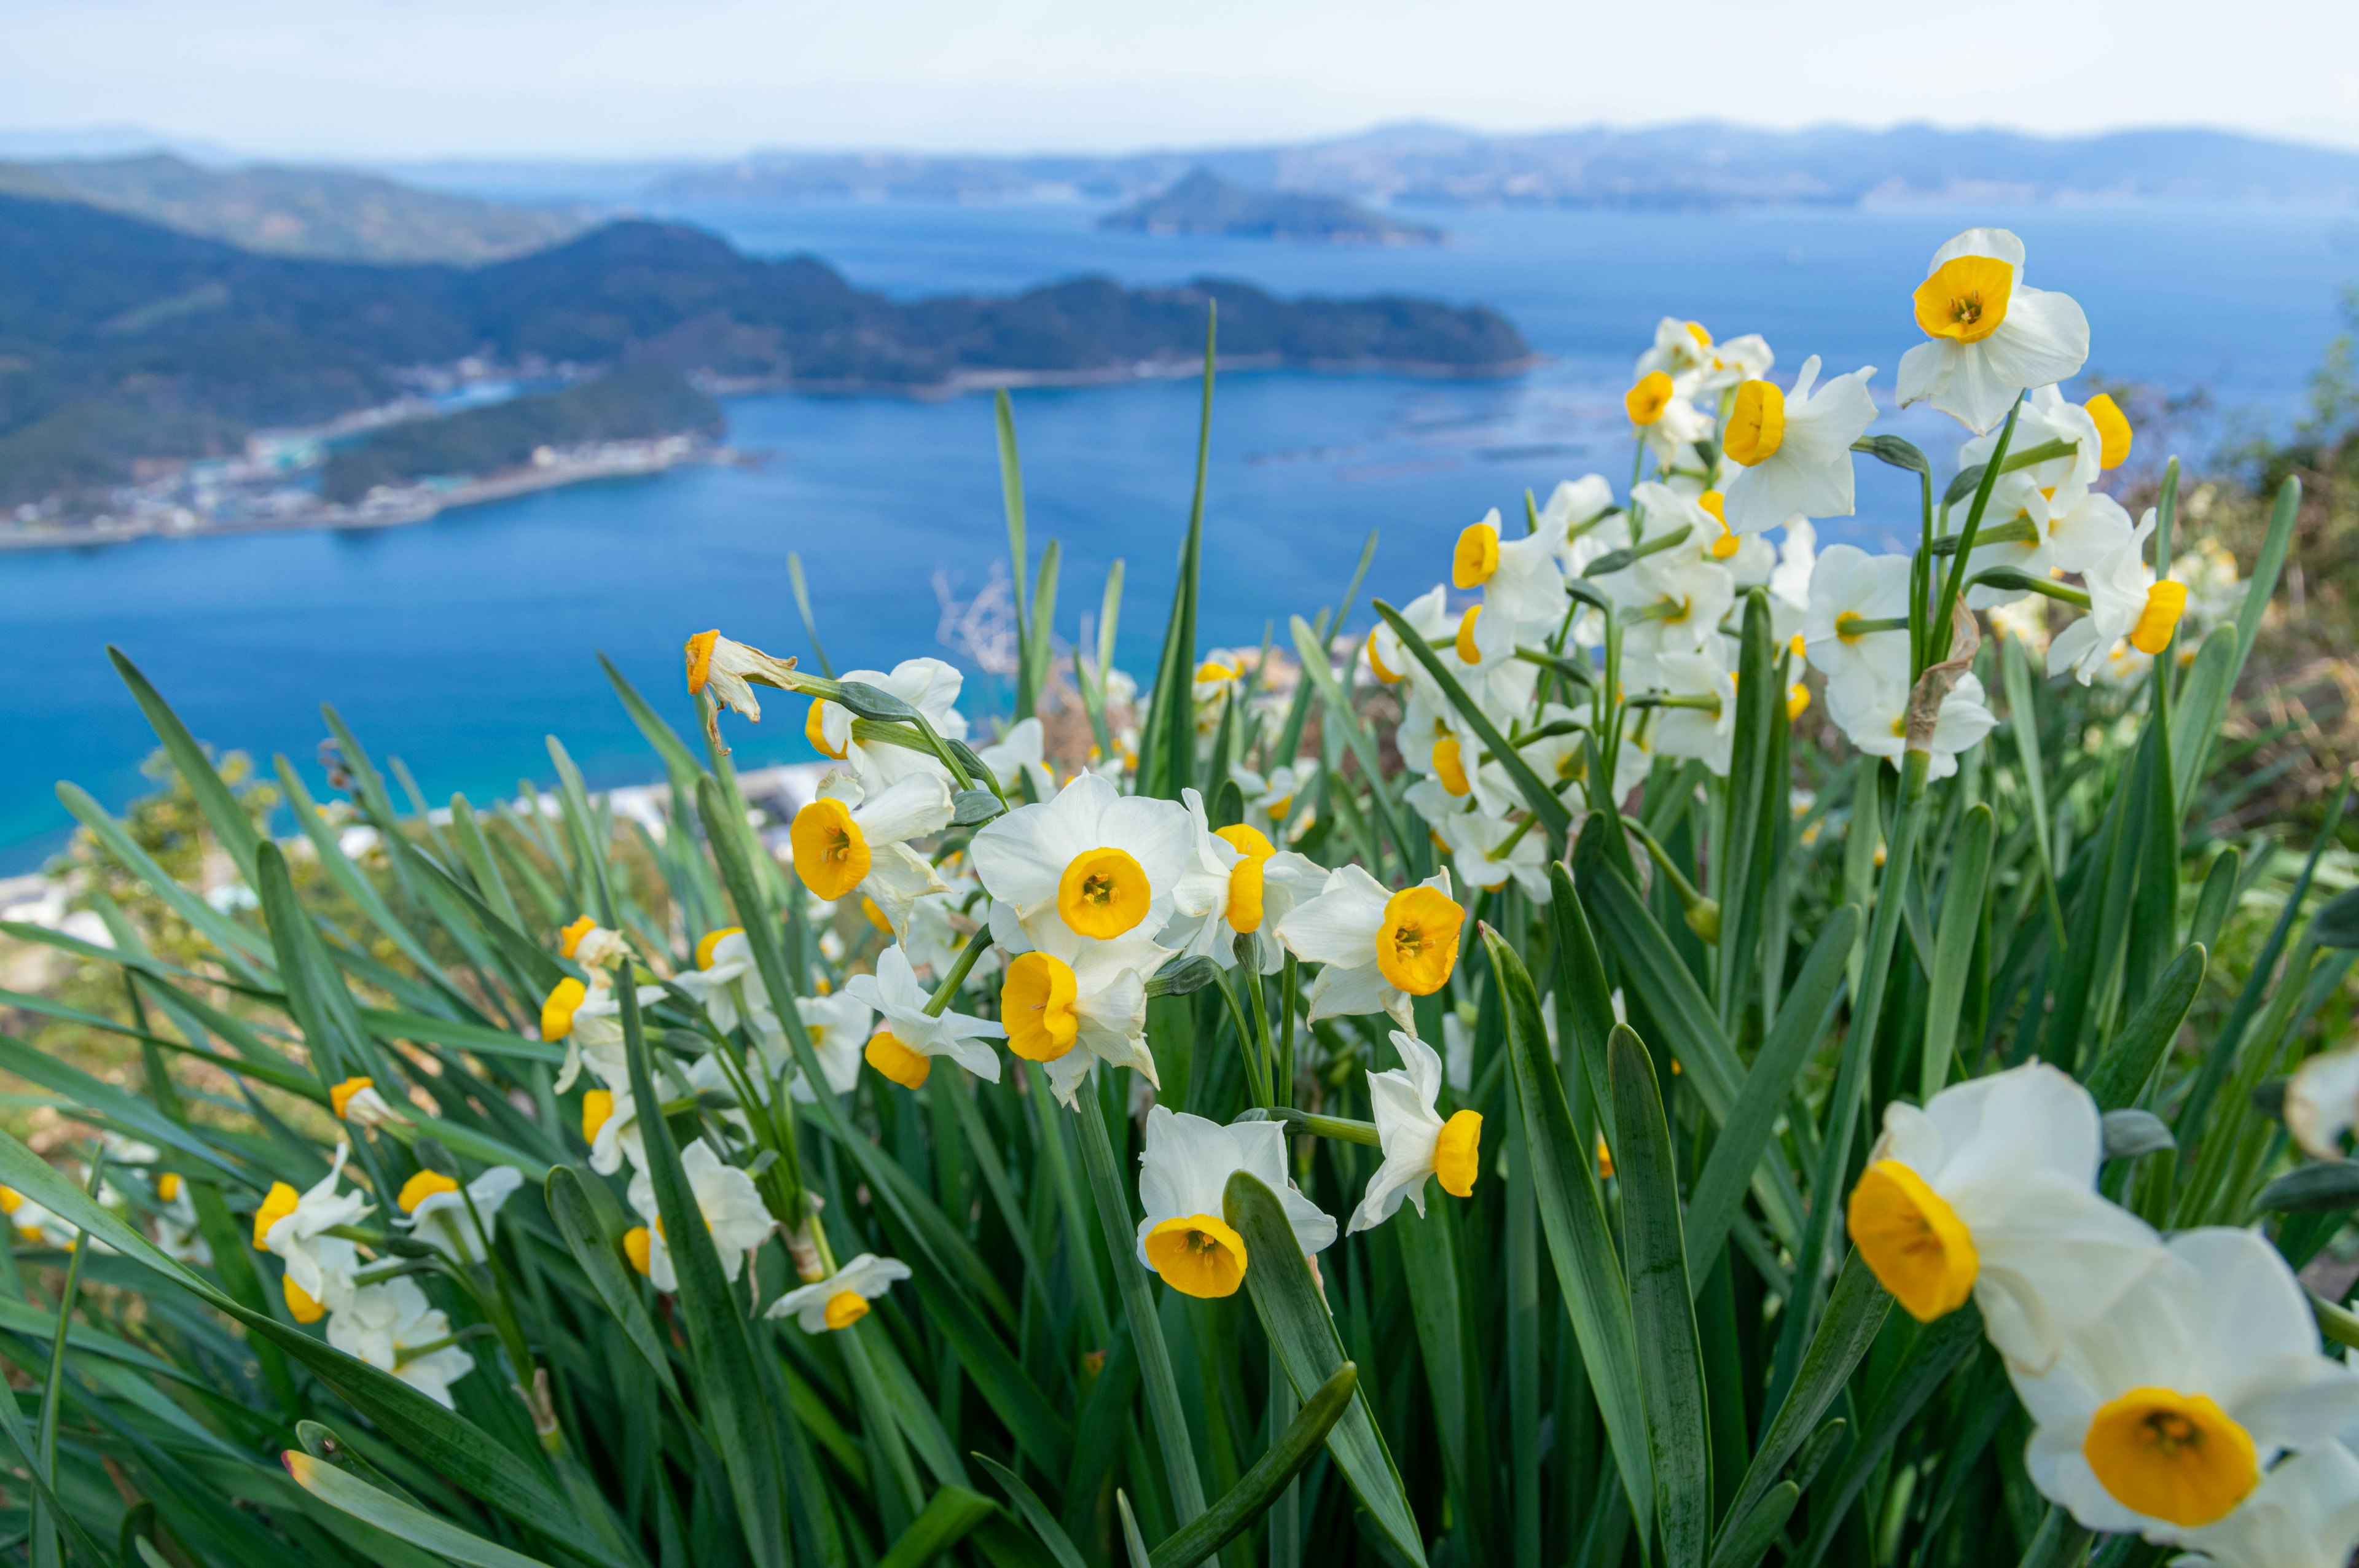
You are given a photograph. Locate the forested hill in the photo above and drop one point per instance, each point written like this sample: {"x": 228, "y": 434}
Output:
{"x": 121, "y": 340}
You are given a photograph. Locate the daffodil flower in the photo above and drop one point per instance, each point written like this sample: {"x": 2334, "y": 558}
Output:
{"x": 1183, "y": 1179}
{"x": 726, "y": 973}
{"x": 1858, "y": 619}
{"x": 853, "y": 839}
{"x": 2162, "y": 1417}
{"x": 1104, "y": 863}
{"x": 1378, "y": 949}
{"x": 1872, "y": 713}
{"x": 904, "y": 1047}
{"x": 1793, "y": 447}
{"x": 1521, "y": 578}
{"x": 1992, "y": 337}
{"x": 292, "y": 1225}
{"x": 929, "y": 685}
{"x": 1017, "y": 755}
{"x": 1269, "y": 801}
{"x": 35, "y": 1222}
{"x": 1990, "y": 1192}
{"x": 357, "y": 1100}
{"x": 177, "y": 1234}
{"x": 732, "y": 670}
{"x": 732, "y": 1206}
{"x": 1662, "y": 410}
{"x": 2304, "y": 1514}
{"x": 388, "y": 1327}
{"x": 2125, "y": 601}
{"x": 590, "y": 1024}
{"x": 1417, "y": 1141}
{"x": 1575, "y": 504}
{"x": 1680, "y": 348}
{"x": 841, "y": 1299}
{"x": 2321, "y": 1102}
{"x": 1069, "y": 1002}
{"x": 438, "y": 1215}
{"x": 610, "y": 1125}
{"x": 838, "y": 1027}
{"x": 593, "y": 946}
{"x": 1239, "y": 884}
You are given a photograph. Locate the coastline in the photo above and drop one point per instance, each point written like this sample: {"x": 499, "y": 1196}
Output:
{"x": 1168, "y": 368}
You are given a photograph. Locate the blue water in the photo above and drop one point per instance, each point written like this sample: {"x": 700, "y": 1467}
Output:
{"x": 460, "y": 643}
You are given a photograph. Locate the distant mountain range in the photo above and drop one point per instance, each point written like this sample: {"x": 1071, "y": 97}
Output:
{"x": 1204, "y": 204}
{"x": 329, "y": 213}
{"x": 1704, "y": 164}
{"x": 123, "y": 340}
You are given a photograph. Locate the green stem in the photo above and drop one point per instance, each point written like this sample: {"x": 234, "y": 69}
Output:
{"x": 948, "y": 988}
{"x": 1937, "y": 629}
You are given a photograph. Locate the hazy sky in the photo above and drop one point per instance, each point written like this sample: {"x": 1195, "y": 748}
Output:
{"x": 607, "y": 78}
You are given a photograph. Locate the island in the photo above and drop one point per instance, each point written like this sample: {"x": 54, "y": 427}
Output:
{"x": 133, "y": 355}
{"x": 1204, "y": 204}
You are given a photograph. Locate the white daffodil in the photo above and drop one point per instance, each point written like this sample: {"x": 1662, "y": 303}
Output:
{"x": 1429, "y": 616}
{"x": 590, "y": 1021}
{"x": 1793, "y": 449}
{"x": 593, "y": 946}
{"x": 610, "y": 1125}
{"x": 1417, "y": 1141}
{"x": 2125, "y": 601}
{"x": 929, "y": 685}
{"x": 1674, "y": 599}
{"x": 841, "y": 1299}
{"x": 2304, "y": 1514}
{"x": 1858, "y": 619}
{"x": 1489, "y": 851}
{"x": 355, "y": 1100}
{"x": 941, "y": 927}
{"x": 177, "y": 1235}
{"x": 1241, "y": 884}
{"x": 1069, "y": 1002}
{"x": 1269, "y": 801}
{"x": 1703, "y": 724}
{"x": 1577, "y": 508}
{"x": 904, "y": 1048}
{"x": 319, "y": 1266}
{"x": 853, "y": 839}
{"x": 35, "y": 1223}
{"x": 837, "y": 1025}
{"x": 2321, "y": 1102}
{"x": 2163, "y": 1417}
{"x": 1992, "y": 337}
{"x": 1873, "y": 714}
{"x": 728, "y": 984}
{"x": 1680, "y": 348}
{"x": 390, "y": 1325}
{"x": 1560, "y": 760}
{"x": 1105, "y": 864}
{"x": 1378, "y": 948}
{"x": 1183, "y": 1178}
{"x": 440, "y": 1216}
{"x": 1017, "y": 755}
{"x": 732, "y": 1209}
{"x": 733, "y": 670}
{"x": 1789, "y": 580}
{"x": 1521, "y": 578}
{"x": 1662, "y": 410}
{"x": 1991, "y": 1192}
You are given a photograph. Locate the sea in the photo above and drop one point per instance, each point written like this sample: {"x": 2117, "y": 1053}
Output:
{"x": 462, "y": 643}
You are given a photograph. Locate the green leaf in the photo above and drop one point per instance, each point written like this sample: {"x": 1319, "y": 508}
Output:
{"x": 1670, "y": 1365}
{"x": 949, "y": 1517}
{"x": 229, "y": 821}
{"x": 1572, "y": 1215}
{"x": 585, "y": 1237}
{"x": 2120, "y": 1075}
{"x": 479, "y": 1038}
{"x": 1856, "y": 1311}
{"x": 1028, "y": 1416}
{"x": 1258, "y": 1488}
{"x": 1346, "y": 720}
{"x": 1294, "y": 1315}
{"x": 1011, "y": 497}
{"x": 246, "y": 953}
{"x": 728, "y": 1387}
{"x": 1034, "y": 1512}
{"x": 679, "y": 763}
{"x": 1553, "y": 814}
{"x": 2203, "y": 701}
{"x": 1953, "y": 943}
{"x": 2336, "y": 924}
{"x": 1939, "y": 1348}
{"x": 1139, "y": 1556}
{"x": 127, "y": 1110}
{"x": 1802, "y": 1019}
{"x": 404, "y": 1521}
{"x": 1748, "y": 818}
{"x": 1749, "y": 1540}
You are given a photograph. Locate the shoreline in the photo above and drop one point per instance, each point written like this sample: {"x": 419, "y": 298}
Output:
{"x": 1162, "y": 369}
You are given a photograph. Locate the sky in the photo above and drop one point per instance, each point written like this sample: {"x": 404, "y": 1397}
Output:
{"x": 392, "y": 80}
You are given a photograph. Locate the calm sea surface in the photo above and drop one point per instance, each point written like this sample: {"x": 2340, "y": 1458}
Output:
{"x": 460, "y": 643}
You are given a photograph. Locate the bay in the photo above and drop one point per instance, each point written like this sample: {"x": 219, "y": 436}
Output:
{"x": 460, "y": 643}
